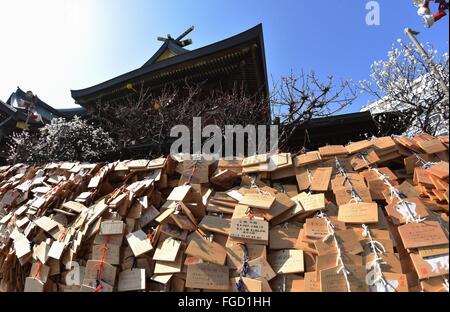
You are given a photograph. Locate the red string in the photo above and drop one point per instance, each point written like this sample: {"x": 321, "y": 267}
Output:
{"x": 150, "y": 236}
{"x": 37, "y": 275}
{"x": 193, "y": 172}
{"x": 103, "y": 250}
{"x": 62, "y": 236}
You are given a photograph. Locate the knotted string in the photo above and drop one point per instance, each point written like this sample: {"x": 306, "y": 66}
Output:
{"x": 178, "y": 208}
{"x": 209, "y": 237}
{"x": 244, "y": 271}
{"x": 103, "y": 250}
{"x": 395, "y": 193}
{"x": 441, "y": 222}
{"x": 134, "y": 264}
{"x": 254, "y": 185}
{"x": 150, "y": 236}
{"x": 355, "y": 196}
{"x": 376, "y": 248}
{"x": 206, "y": 237}
{"x": 249, "y": 214}
{"x": 411, "y": 217}
{"x": 310, "y": 181}
{"x": 425, "y": 164}
{"x": 362, "y": 155}
{"x": 194, "y": 170}
{"x": 37, "y": 275}
{"x": 62, "y": 236}
{"x": 339, "y": 261}
{"x": 375, "y": 245}
{"x": 116, "y": 216}
{"x": 445, "y": 283}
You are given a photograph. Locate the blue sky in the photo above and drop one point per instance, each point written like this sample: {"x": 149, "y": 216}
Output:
{"x": 52, "y": 46}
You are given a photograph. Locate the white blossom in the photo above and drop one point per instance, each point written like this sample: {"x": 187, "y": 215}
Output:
{"x": 405, "y": 83}
{"x": 61, "y": 140}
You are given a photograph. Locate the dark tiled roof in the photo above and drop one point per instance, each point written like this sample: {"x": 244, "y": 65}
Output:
{"x": 170, "y": 45}
{"x": 69, "y": 113}
{"x": 22, "y": 94}
{"x": 150, "y": 67}
{"x": 336, "y": 129}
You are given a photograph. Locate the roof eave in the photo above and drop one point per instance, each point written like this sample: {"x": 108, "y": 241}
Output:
{"x": 246, "y": 36}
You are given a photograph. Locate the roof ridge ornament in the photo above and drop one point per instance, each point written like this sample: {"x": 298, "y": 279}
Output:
{"x": 178, "y": 41}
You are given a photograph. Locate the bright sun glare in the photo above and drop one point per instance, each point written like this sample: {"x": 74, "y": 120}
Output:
{"x": 41, "y": 41}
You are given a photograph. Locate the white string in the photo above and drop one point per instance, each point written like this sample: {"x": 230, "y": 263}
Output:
{"x": 411, "y": 217}
{"x": 339, "y": 261}
{"x": 377, "y": 248}
{"x": 355, "y": 197}
{"x": 394, "y": 192}
{"x": 310, "y": 181}
{"x": 441, "y": 222}
{"x": 309, "y": 176}
{"x": 375, "y": 245}
{"x": 425, "y": 164}
{"x": 362, "y": 156}
{"x": 256, "y": 186}
{"x": 445, "y": 283}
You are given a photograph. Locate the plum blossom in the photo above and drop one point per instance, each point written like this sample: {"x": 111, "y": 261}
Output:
{"x": 405, "y": 84}
{"x": 61, "y": 140}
